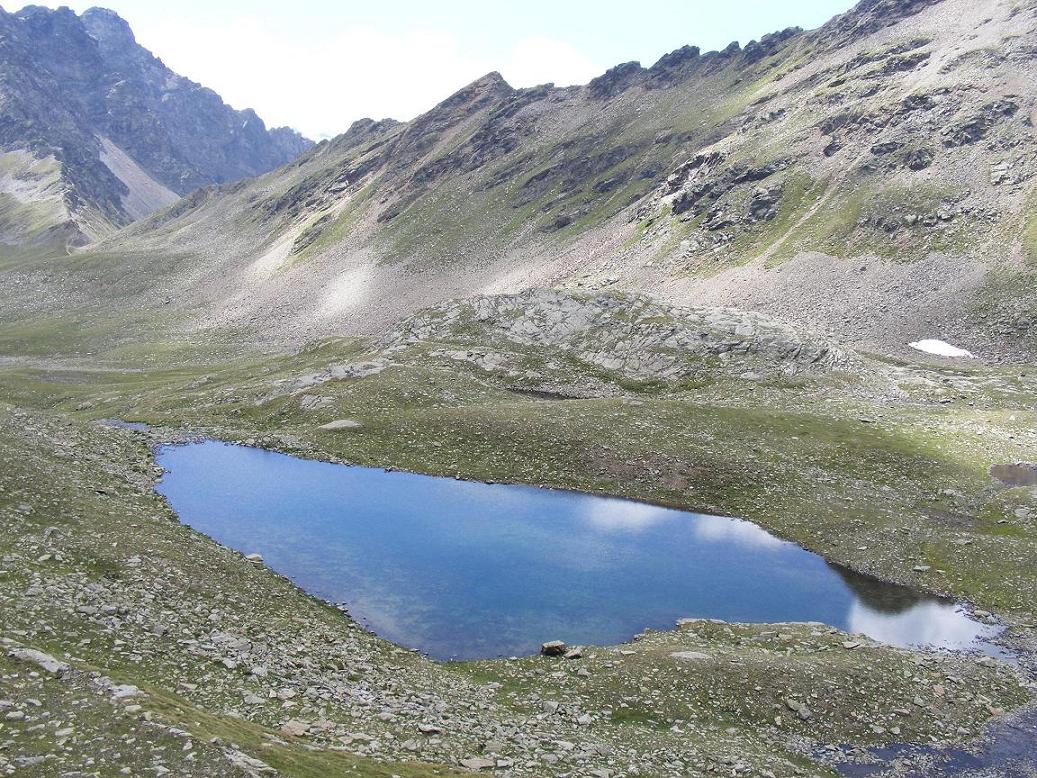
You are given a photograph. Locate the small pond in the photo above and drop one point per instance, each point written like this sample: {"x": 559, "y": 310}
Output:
{"x": 464, "y": 570}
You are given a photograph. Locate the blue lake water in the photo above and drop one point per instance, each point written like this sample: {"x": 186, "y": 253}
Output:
{"x": 469, "y": 570}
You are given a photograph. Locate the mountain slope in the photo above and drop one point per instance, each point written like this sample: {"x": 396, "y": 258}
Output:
{"x": 125, "y": 134}
{"x": 871, "y": 180}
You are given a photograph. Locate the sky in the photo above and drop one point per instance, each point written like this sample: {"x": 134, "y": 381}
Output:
{"x": 317, "y": 65}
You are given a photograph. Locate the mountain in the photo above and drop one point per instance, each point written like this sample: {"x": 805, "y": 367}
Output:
{"x": 96, "y": 132}
{"x": 871, "y": 181}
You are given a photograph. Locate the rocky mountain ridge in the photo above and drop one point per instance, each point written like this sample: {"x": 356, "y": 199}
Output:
{"x": 871, "y": 181}
{"x": 125, "y": 134}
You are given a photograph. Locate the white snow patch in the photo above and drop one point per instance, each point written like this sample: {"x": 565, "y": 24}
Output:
{"x": 940, "y": 348}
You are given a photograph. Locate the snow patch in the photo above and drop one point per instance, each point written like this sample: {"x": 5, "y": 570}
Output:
{"x": 940, "y": 348}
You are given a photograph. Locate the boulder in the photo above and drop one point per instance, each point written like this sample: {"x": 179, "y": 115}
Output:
{"x": 341, "y": 424}
{"x": 553, "y": 648}
{"x": 295, "y": 728}
{"x": 690, "y": 656}
{"x": 45, "y": 661}
{"x": 478, "y": 763}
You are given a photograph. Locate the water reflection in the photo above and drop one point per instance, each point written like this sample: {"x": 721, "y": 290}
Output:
{"x": 719, "y": 529}
{"x": 879, "y": 595}
{"x": 928, "y": 623}
{"x": 611, "y": 515}
{"x": 466, "y": 570}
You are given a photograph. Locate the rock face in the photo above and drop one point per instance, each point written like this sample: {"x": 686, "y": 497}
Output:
{"x": 128, "y": 134}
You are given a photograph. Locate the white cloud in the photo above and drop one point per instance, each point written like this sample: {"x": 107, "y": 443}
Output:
{"x": 322, "y": 85}
{"x": 541, "y": 60}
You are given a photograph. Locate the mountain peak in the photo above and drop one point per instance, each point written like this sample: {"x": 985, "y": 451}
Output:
{"x": 85, "y": 99}
{"x": 480, "y": 91}
{"x": 41, "y": 11}
{"x": 615, "y": 80}
{"x": 493, "y": 77}
{"x": 491, "y": 82}
{"x": 107, "y": 24}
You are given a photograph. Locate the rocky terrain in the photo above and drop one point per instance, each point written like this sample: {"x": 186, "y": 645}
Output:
{"x": 633, "y": 337}
{"x": 870, "y": 181}
{"x": 156, "y": 635}
{"x": 96, "y": 132}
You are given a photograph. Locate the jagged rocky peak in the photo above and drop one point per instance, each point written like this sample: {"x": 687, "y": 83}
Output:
{"x": 126, "y": 134}
{"x": 683, "y": 63}
{"x": 290, "y": 141}
{"x": 615, "y": 80}
{"x": 422, "y": 134}
{"x": 492, "y": 86}
{"x": 769, "y": 43}
{"x": 42, "y": 14}
{"x": 676, "y": 58}
{"x": 107, "y": 26}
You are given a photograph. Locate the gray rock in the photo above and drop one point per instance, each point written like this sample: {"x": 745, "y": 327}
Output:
{"x": 295, "y": 728}
{"x": 478, "y": 763}
{"x": 690, "y": 656}
{"x": 553, "y": 648}
{"x": 44, "y": 661}
{"x": 248, "y": 764}
{"x": 341, "y": 424}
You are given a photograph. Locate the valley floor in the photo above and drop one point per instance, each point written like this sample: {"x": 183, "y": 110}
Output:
{"x": 887, "y": 471}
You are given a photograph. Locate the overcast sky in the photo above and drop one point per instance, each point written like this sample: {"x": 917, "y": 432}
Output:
{"x": 317, "y": 65}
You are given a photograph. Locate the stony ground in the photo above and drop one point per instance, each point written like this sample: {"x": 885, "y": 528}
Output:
{"x": 101, "y": 576}
{"x": 885, "y": 467}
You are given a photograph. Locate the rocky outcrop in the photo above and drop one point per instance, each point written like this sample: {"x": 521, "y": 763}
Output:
{"x": 868, "y": 17}
{"x": 705, "y": 179}
{"x": 615, "y": 80}
{"x": 129, "y": 133}
{"x": 629, "y": 335}
{"x": 975, "y": 128}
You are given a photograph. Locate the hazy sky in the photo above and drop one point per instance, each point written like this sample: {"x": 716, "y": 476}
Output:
{"x": 317, "y": 65}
